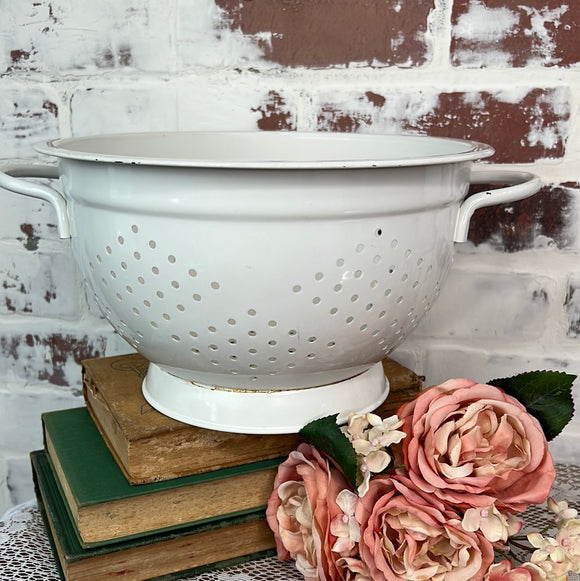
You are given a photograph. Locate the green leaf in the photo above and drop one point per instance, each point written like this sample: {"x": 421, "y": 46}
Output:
{"x": 325, "y": 435}
{"x": 547, "y": 395}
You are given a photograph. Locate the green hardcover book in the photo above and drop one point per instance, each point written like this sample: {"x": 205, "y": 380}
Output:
{"x": 105, "y": 507}
{"x": 168, "y": 555}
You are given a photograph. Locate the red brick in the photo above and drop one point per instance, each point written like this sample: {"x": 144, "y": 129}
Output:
{"x": 522, "y": 127}
{"x": 542, "y": 219}
{"x": 319, "y": 33}
{"x": 275, "y": 114}
{"x": 515, "y": 34}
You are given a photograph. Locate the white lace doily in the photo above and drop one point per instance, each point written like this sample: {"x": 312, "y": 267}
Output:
{"x": 25, "y": 553}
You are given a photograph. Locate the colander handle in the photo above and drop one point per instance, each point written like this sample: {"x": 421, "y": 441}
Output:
{"x": 525, "y": 185}
{"x": 9, "y": 180}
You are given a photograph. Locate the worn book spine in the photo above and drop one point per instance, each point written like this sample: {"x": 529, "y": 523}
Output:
{"x": 169, "y": 555}
{"x": 150, "y": 446}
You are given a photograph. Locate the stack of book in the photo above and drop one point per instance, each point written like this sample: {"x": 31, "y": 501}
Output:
{"x": 128, "y": 492}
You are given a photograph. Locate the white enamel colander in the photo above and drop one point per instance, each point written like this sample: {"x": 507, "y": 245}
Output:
{"x": 264, "y": 275}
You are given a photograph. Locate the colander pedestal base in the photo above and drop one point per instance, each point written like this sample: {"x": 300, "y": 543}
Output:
{"x": 262, "y": 412}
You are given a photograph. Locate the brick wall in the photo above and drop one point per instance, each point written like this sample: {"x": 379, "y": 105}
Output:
{"x": 481, "y": 69}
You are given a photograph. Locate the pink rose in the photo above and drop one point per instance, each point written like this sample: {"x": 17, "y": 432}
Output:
{"x": 301, "y": 510}
{"x": 409, "y": 535}
{"x": 472, "y": 445}
{"x": 503, "y": 572}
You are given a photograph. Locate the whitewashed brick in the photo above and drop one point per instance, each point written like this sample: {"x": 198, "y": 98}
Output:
{"x": 19, "y": 479}
{"x": 27, "y": 116}
{"x": 20, "y": 425}
{"x": 32, "y": 355}
{"x": 43, "y": 284}
{"x": 206, "y": 106}
{"x": 26, "y": 219}
{"x": 123, "y": 108}
{"x": 83, "y": 37}
{"x": 489, "y": 305}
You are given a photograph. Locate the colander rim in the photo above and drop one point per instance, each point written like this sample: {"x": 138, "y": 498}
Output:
{"x": 93, "y": 148}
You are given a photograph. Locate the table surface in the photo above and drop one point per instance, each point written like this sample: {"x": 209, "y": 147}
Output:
{"x": 25, "y": 553}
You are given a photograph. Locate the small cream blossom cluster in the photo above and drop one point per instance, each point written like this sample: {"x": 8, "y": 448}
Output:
{"x": 557, "y": 556}
{"x": 370, "y": 437}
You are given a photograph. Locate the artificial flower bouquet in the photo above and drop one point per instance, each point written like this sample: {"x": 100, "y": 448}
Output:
{"x": 434, "y": 492}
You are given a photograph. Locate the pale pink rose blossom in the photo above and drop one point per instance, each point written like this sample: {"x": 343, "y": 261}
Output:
{"x": 472, "y": 445}
{"x": 494, "y": 525}
{"x": 300, "y": 512}
{"x": 504, "y": 571}
{"x": 410, "y": 535}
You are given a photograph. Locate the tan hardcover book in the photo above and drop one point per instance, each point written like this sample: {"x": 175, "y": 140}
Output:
{"x": 150, "y": 446}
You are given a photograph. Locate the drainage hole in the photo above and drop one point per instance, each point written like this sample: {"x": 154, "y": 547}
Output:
{"x": 213, "y": 347}
{"x": 272, "y": 323}
{"x": 180, "y": 307}
{"x": 231, "y": 322}
{"x": 211, "y": 329}
{"x": 252, "y": 312}
{"x": 192, "y": 272}
{"x": 166, "y": 316}
{"x": 154, "y": 270}
{"x": 171, "y": 259}
{"x": 152, "y": 244}
{"x": 252, "y": 333}
{"x": 124, "y": 265}
{"x": 379, "y": 232}
{"x": 120, "y": 240}
{"x": 134, "y": 229}
{"x": 160, "y": 294}
{"x": 333, "y": 311}
{"x": 360, "y": 248}
{"x": 137, "y": 255}
{"x": 296, "y": 288}
{"x": 215, "y": 285}
{"x": 196, "y": 297}
{"x": 176, "y": 338}
{"x": 292, "y": 332}
{"x": 311, "y": 356}
{"x": 272, "y": 343}
{"x": 331, "y": 344}
{"x": 316, "y": 300}
{"x": 174, "y": 284}
{"x": 108, "y": 250}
